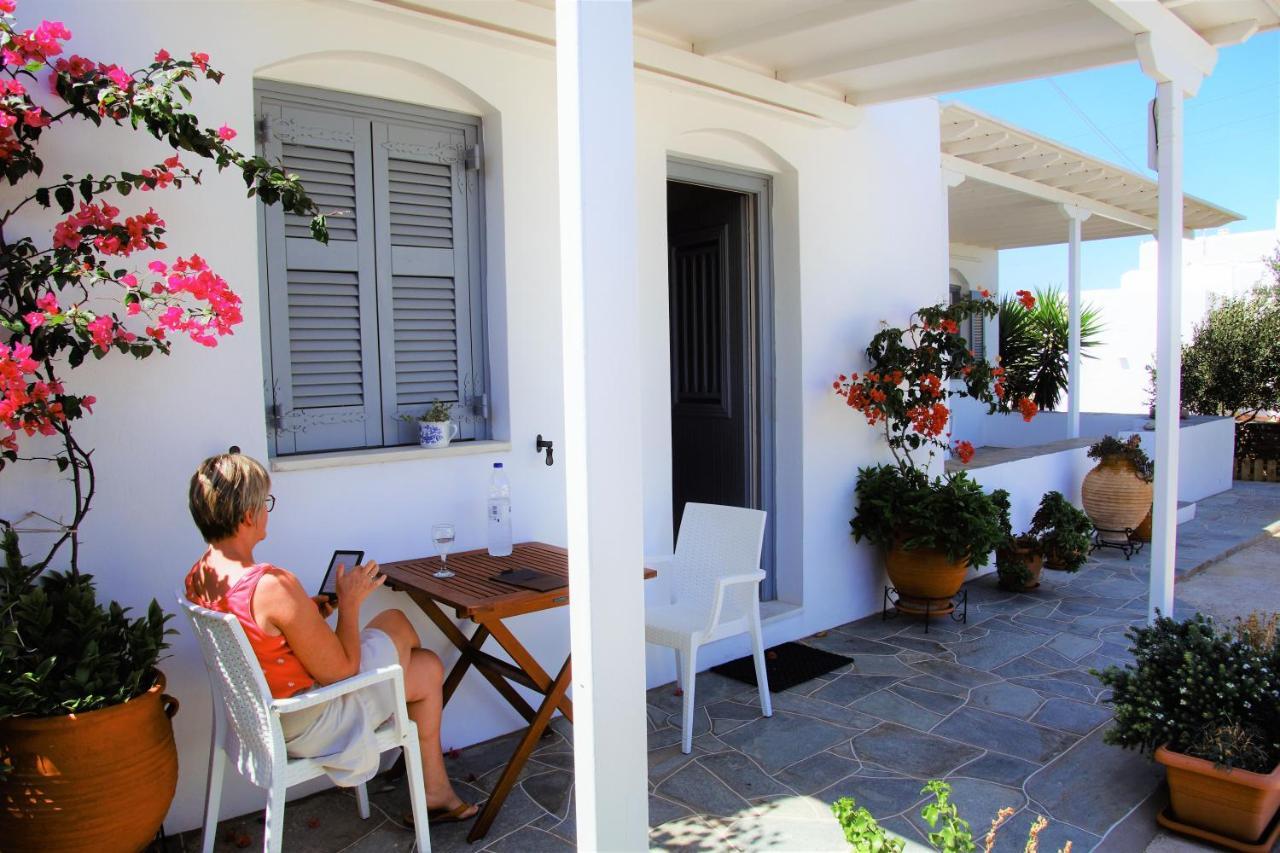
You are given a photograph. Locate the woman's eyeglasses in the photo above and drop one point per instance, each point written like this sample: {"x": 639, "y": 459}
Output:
{"x": 271, "y": 502}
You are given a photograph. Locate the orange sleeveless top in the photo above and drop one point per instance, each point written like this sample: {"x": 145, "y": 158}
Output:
{"x": 285, "y": 674}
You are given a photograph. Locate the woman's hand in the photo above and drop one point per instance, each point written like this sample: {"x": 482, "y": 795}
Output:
{"x": 354, "y": 585}
{"x": 325, "y": 605}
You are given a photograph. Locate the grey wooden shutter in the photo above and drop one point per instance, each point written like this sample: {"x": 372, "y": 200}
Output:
{"x": 322, "y": 299}
{"x": 978, "y": 330}
{"x": 426, "y": 276}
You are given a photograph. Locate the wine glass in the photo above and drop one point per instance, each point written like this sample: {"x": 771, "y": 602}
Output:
{"x": 442, "y": 535}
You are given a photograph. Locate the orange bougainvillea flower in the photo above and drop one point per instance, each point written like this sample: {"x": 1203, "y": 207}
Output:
{"x": 964, "y": 450}
{"x": 984, "y": 293}
{"x": 1028, "y": 409}
{"x": 1028, "y": 301}
{"x": 949, "y": 326}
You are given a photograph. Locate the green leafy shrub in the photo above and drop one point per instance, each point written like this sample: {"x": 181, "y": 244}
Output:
{"x": 1062, "y": 530}
{"x": 904, "y": 507}
{"x": 1201, "y": 690}
{"x": 63, "y": 653}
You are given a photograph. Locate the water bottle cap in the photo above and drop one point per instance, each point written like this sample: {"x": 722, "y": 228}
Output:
{"x": 497, "y": 465}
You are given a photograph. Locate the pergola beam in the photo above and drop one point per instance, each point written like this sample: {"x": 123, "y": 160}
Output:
{"x": 974, "y": 144}
{"x": 983, "y": 32}
{"x": 1048, "y": 193}
{"x": 846, "y": 10}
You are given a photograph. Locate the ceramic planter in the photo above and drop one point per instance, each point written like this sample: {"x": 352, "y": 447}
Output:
{"x": 1115, "y": 497}
{"x": 97, "y": 782}
{"x": 1034, "y": 563}
{"x": 926, "y": 580}
{"x": 436, "y": 433}
{"x": 1236, "y": 805}
{"x": 1143, "y": 533}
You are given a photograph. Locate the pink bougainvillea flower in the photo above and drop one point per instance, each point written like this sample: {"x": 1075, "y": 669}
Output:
{"x": 226, "y": 134}
{"x": 162, "y": 55}
{"x": 102, "y": 330}
{"x": 47, "y": 302}
{"x": 88, "y": 402}
{"x": 172, "y": 162}
{"x": 36, "y": 117}
{"x": 158, "y": 267}
{"x": 201, "y": 60}
{"x": 8, "y": 6}
{"x": 35, "y": 319}
{"x": 119, "y": 76}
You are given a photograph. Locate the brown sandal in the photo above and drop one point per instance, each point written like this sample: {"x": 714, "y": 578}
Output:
{"x": 441, "y": 815}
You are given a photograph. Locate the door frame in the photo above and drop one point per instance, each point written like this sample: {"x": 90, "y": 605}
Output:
{"x": 758, "y": 336}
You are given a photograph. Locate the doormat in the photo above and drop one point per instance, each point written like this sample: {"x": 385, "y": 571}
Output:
{"x": 786, "y": 666}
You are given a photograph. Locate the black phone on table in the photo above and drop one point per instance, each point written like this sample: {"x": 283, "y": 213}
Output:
{"x": 350, "y": 559}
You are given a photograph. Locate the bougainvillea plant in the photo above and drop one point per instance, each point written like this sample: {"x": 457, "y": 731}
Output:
{"x": 914, "y": 371}
{"x": 104, "y": 281}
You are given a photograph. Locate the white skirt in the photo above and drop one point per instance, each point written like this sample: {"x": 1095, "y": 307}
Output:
{"x": 339, "y": 734}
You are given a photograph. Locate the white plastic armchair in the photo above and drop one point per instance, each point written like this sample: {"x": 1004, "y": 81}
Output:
{"x": 243, "y": 701}
{"x": 716, "y": 583}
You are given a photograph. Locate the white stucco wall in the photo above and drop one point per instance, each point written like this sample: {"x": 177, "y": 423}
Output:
{"x": 859, "y": 229}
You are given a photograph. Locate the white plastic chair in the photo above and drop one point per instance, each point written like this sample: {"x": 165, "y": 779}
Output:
{"x": 716, "y": 581}
{"x": 243, "y": 699}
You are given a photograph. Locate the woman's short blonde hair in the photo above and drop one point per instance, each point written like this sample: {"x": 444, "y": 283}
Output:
{"x": 223, "y": 489}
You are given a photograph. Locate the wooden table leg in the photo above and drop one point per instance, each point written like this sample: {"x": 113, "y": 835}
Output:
{"x": 524, "y": 660}
{"x": 467, "y": 649}
{"x": 523, "y": 750}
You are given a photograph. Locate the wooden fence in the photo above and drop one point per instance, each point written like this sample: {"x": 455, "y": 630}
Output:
{"x": 1258, "y": 452}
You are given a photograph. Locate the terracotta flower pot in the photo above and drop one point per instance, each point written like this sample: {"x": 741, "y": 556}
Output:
{"x": 926, "y": 580}
{"x": 1034, "y": 563}
{"x": 1235, "y": 804}
{"x": 101, "y": 781}
{"x": 1115, "y": 497}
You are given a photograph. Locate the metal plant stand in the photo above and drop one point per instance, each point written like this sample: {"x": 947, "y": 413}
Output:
{"x": 959, "y": 611}
{"x": 1129, "y": 546}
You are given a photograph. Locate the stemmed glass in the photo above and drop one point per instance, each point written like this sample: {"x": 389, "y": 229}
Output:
{"x": 442, "y": 535}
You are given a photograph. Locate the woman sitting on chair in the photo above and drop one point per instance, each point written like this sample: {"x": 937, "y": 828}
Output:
{"x": 296, "y": 647}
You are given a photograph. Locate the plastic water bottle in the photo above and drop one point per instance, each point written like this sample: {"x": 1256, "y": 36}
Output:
{"x": 499, "y": 513}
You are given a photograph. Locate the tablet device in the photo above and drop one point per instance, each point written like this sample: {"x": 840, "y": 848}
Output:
{"x": 527, "y": 578}
{"x": 350, "y": 559}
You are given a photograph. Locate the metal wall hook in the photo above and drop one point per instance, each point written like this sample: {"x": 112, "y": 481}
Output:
{"x": 547, "y": 446}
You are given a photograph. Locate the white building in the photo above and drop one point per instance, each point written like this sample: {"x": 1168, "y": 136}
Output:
{"x": 1213, "y": 265}
{"x": 813, "y": 131}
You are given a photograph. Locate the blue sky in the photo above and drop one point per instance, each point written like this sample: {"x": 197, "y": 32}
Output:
{"x": 1231, "y": 156}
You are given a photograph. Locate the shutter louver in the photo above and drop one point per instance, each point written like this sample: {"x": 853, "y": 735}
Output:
{"x": 978, "y": 330}
{"x": 322, "y": 299}
{"x": 423, "y": 271}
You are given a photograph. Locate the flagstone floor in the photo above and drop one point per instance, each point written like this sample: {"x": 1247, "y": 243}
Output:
{"x": 1003, "y": 707}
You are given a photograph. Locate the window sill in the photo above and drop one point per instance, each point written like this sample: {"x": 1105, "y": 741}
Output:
{"x": 373, "y": 456}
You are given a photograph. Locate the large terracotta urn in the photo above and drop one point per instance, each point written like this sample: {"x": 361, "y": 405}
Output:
{"x": 97, "y": 782}
{"x": 1115, "y": 498}
{"x": 925, "y": 579}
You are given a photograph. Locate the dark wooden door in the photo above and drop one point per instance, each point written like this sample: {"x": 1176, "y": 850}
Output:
{"x": 707, "y": 276}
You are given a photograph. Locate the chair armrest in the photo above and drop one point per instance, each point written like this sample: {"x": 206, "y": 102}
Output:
{"x": 722, "y": 586}
{"x": 329, "y": 692}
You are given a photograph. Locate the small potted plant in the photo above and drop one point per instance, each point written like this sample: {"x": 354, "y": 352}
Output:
{"x": 435, "y": 426}
{"x": 1020, "y": 558}
{"x": 1062, "y": 531}
{"x": 1203, "y": 699}
{"x": 1117, "y": 493}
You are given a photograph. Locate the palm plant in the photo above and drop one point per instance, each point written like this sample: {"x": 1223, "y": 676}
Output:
{"x": 1034, "y": 341}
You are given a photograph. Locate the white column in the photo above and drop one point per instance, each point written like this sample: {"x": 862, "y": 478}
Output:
{"x": 1164, "y": 527}
{"x": 599, "y": 292}
{"x": 1075, "y": 218}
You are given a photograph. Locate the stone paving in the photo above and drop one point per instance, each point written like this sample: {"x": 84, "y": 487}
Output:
{"x": 1003, "y": 707}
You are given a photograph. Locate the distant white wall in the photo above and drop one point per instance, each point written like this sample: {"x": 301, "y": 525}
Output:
{"x": 1224, "y": 264}
{"x": 1206, "y": 456}
{"x": 859, "y": 224}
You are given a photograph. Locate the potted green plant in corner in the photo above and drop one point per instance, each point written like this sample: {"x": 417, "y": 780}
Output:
{"x": 1205, "y": 701}
{"x": 1117, "y": 493}
{"x": 436, "y": 427}
{"x": 1019, "y": 558}
{"x": 930, "y": 528}
{"x": 87, "y": 757}
{"x": 1062, "y": 531}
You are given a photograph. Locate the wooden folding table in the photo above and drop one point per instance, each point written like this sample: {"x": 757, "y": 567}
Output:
{"x": 474, "y": 594}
